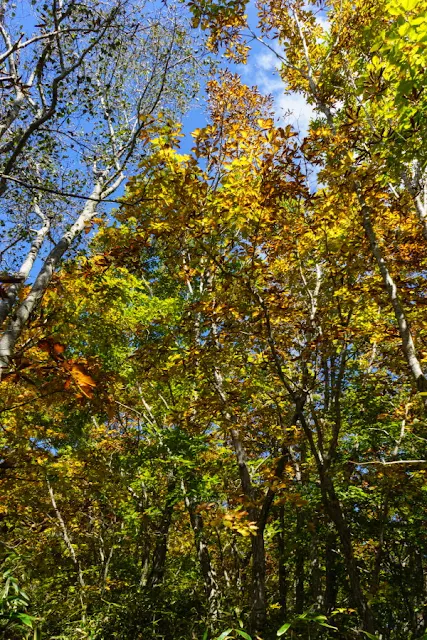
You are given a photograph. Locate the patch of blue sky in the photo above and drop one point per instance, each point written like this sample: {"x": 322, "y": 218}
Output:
{"x": 263, "y": 71}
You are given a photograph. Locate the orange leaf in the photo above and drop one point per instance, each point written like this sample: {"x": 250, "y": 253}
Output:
{"x": 58, "y": 348}
{"x": 83, "y": 380}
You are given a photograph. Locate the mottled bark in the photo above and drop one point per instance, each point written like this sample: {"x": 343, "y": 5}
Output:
{"x": 21, "y": 315}
{"x": 7, "y": 303}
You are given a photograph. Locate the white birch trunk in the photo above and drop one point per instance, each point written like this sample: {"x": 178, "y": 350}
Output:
{"x": 20, "y": 317}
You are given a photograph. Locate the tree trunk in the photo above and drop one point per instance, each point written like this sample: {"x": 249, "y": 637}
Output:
{"x": 20, "y": 318}
{"x": 208, "y": 572}
{"x": 283, "y": 586}
{"x": 407, "y": 341}
{"x": 7, "y": 304}
{"x": 316, "y": 592}
{"x": 331, "y": 586}
{"x": 334, "y": 509}
{"x": 159, "y": 556}
{"x": 299, "y": 564}
{"x": 259, "y": 605}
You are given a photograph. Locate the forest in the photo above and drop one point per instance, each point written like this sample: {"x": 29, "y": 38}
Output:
{"x": 213, "y": 320}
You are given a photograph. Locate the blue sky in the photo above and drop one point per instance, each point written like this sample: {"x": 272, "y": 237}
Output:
{"x": 262, "y": 71}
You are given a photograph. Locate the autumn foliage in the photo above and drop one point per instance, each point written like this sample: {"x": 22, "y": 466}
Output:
{"x": 215, "y": 424}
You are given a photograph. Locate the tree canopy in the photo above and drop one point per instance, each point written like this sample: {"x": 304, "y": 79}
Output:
{"x": 213, "y": 408}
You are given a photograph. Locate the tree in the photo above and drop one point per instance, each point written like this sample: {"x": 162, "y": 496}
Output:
{"x": 78, "y": 90}
{"x": 372, "y": 107}
{"x": 211, "y": 429}
{"x": 220, "y": 233}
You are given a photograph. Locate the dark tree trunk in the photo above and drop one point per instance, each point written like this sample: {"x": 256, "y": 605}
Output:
{"x": 259, "y": 605}
{"x": 299, "y": 564}
{"x": 315, "y": 582}
{"x": 208, "y": 572}
{"x": 334, "y": 509}
{"x": 283, "y": 585}
{"x": 159, "y": 556}
{"x": 331, "y": 586}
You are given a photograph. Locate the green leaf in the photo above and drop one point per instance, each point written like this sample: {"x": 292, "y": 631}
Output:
{"x": 370, "y": 636}
{"x": 244, "y": 635}
{"x": 224, "y": 634}
{"x": 284, "y": 629}
{"x": 205, "y": 635}
{"x": 25, "y": 619}
{"x": 324, "y": 624}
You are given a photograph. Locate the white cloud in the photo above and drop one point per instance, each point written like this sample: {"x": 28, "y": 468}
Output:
{"x": 268, "y": 81}
{"x": 290, "y": 108}
{"x": 267, "y": 60}
{"x": 293, "y": 109}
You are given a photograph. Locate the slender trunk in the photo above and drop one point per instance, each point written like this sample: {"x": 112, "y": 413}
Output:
{"x": 331, "y": 586}
{"x": 380, "y": 548}
{"x": 336, "y": 514}
{"x": 299, "y": 564}
{"x": 417, "y": 562}
{"x": 69, "y": 545}
{"x": 105, "y": 569}
{"x": 417, "y": 188}
{"x": 283, "y": 585}
{"x": 423, "y": 594}
{"x": 422, "y": 214}
{"x": 316, "y": 595}
{"x": 259, "y": 611}
{"x": 334, "y": 509}
{"x": 9, "y": 301}
{"x": 299, "y": 536}
{"x": 408, "y": 345}
{"x": 237, "y": 566}
{"x": 208, "y": 572}
{"x": 159, "y": 556}
{"x": 22, "y": 314}
{"x": 142, "y": 547}
{"x": 259, "y": 605}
